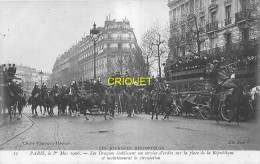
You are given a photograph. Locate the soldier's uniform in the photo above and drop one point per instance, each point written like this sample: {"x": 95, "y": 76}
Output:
{"x": 44, "y": 88}
{"x": 55, "y": 90}
{"x": 63, "y": 90}
{"x": 36, "y": 91}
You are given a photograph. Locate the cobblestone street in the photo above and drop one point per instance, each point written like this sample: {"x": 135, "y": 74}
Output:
{"x": 76, "y": 133}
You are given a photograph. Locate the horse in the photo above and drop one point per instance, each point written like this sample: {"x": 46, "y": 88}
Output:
{"x": 21, "y": 102}
{"x": 87, "y": 103}
{"x": 49, "y": 104}
{"x": 109, "y": 105}
{"x": 36, "y": 101}
{"x": 9, "y": 100}
{"x": 147, "y": 103}
{"x": 44, "y": 100}
{"x": 72, "y": 101}
{"x": 63, "y": 102}
{"x": 57, "y": 100}
{"x": 238, "y": 101}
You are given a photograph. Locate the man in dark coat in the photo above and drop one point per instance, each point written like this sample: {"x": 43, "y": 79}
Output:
{"x": 36, "y": 90}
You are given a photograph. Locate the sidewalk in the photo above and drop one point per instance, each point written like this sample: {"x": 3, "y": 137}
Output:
{"x": 10, "y": 129}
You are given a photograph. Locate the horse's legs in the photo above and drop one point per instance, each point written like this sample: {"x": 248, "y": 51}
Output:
{"x": 10, "y": 112}
{"x": 217, "y": 111}
{"x": 157, "y": 111}
{"x": 105, "y": 112}
{"x": 153, "y": 108}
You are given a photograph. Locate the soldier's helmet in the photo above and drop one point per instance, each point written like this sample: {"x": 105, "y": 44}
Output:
{"x": 233, "y": 76}
{"x": 36, "y": 84}
{"x": 17, "y": 83}
{"x": 63, "y": 86}
{"x": 215, "y": 61}
{"x": 73, "y": 82}
{"x": 56, "y": 85}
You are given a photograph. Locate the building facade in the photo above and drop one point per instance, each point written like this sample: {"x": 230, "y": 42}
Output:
{"x": 221, "y": 27}
{"x": 115, "y": 43}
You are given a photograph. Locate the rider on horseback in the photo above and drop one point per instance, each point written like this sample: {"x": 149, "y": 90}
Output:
{"x": 158, "y": 89}
{"x": 63, "y": 89}
{"x": 75, "y": 87}
{"x": 44, "y": 88}
{"x": 55, "y": 89}
{"x": 36, "y": 90}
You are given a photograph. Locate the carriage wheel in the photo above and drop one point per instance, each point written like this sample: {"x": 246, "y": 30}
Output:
{"x": 226, "y": 113}
{"x": 244, "y": 115}
{"x": 205, "y": 112}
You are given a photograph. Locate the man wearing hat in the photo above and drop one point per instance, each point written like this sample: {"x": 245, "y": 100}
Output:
{"x": 44, "y": 88}
{"x": 56, "y": 89}
{"x": 36, "y": 90}
{"x": 63, "y": 90}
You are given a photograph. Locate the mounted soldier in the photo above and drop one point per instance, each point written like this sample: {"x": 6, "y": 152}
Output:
{"x": 44, "y": 88}
{"x": 36, "y": 91}
{"x": 56, "y": 90}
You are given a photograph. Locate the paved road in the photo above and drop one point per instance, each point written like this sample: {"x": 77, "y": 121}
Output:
{"x": 65, "y": 132}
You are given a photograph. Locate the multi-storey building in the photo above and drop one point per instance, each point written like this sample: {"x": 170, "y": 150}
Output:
{"x": 116, "y": 42}
{"x": 224, "y": 27}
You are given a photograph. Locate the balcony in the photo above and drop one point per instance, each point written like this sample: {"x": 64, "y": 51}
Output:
{"x": 211, "y": 27}
{"x": 243, "y": 15}
{"x": 227, "y": 21}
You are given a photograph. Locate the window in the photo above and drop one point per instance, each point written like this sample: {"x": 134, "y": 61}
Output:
{"x": 228, "y": 38}
{"x": 245, "y": 34}
{"x": 201, "y": 3}
{"x": 213, "y": 16}
{"x": 182, "y": 10}
{"x": 228, "y": 10}
{"x": 243, "y": 4}
{"x": 191, "y": 5}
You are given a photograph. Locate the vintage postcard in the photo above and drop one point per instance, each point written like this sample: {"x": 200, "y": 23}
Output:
{"x": 132, "y": 81}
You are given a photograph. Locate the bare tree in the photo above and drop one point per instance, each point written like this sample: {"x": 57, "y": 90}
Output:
{"x": 154, "y": 44}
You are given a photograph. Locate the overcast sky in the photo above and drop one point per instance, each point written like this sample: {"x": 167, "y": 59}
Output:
{"x": 37, "y": 32}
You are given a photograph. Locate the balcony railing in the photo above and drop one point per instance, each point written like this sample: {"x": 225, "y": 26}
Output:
{"x": 227, "y": 21}
{"x": 243, "y": 15}
{"x": 213, "y": 26}
{"x": 231, "y": 48}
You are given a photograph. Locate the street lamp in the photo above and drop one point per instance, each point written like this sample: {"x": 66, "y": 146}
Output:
{"x": 41, "y": 74}
{"x": 94, "y": 34}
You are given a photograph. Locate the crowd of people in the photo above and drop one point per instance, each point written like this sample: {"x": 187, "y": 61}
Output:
{"x": 196, "y": 62}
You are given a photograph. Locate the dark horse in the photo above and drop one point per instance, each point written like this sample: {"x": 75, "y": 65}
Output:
{"x": 57, "y": 99}
{"x": 9, "y": 100}
{"x": 72, "y": 101}
{"x": 163, "y": 103}
{"x": 238, "y": 101}
{"x": 87, "y": 103}
{"x": 110, "y": 100}
{"x": 129, "y": 102}
{"x": 21, "y": 102}
{"x": 36, "y": 101}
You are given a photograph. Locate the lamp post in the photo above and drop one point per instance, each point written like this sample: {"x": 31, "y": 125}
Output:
{"x": 41, "y": 74}
{"x": 94, "y": 34}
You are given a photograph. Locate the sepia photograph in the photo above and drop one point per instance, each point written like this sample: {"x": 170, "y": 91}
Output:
{"x": 129, "y": 80}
